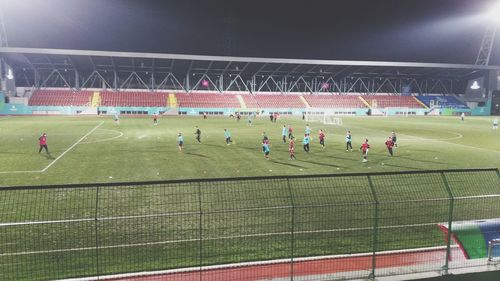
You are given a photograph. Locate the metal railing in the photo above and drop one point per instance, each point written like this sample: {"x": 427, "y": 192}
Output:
{"x": 325, "y": 227}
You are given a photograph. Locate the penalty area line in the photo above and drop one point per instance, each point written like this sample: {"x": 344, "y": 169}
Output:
{"x": 58, "y": 157}
{"x": 71, "y": 147}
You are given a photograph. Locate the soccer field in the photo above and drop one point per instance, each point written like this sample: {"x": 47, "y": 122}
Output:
{"x": 89, "y": 149}
{"x": 52, "y": 233}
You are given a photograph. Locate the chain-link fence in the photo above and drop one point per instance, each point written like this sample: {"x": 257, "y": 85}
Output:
{"x": 319, "y": 227}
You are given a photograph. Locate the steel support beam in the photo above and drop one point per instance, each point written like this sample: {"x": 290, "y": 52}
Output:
{"x": 483, "y": 58}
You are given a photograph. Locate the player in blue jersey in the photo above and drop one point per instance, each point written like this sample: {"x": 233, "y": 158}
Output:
{"x": 227, "y": 135}
{"x": 305, "y": 142}
{"x": 266, "y": 149}
{"x": 284, "y": 133}
{"x": 265, "y": 139}
{"x": 180, "y": 141}
{"x": 394, "y": 139}
{"x": 348, "y": 141}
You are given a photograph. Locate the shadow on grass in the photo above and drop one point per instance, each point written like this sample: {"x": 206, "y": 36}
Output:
{"x": 406, "y": 167}
{"x": 142, "y": 150}
{"x": 288, "y": 164}
{"x": 221, "y": 146}
{"x": 344, "y": 158}
{"x": 420, "y": 160}
{"x": 196, "y": 154}
{"x": 322, "y": 164}
{"x": 49, "y": 156}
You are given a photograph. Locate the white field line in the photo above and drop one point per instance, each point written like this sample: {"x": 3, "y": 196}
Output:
{"x": 457, "y": 136}
{"x": 212, "y": 239}
{"x": 44, "y": 222}
{"x": 197, "y": 213}
{"x": 140, "y": 216}
{"x": 120, "y": 134}
{"x": 254, "y": 263}
{"x": 59, "y": 157}
{"x": 454, "y": 143}
{"x": 446, "y": 140}
{"x": 71, "y": 147}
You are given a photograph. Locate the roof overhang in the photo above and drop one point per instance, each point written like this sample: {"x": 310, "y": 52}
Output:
{"x": 83, "y": 60}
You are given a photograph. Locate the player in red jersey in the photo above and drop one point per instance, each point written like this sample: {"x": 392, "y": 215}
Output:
{"x": 365, "y": 147}
{"x": 291, "y": 148}
{"x": 390, "y": 144}
{"x": 42, "y": 140}
{"x": 322, "y": 138}
{"x": 290, "y": 132}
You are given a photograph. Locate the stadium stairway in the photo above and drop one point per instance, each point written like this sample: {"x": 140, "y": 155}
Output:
{"x": 96, "y": 99}
{"x": 304, "y": 101}
{"x": 172, "y": 101}
{"x": 242, "y": 102}
{"x": 421, "y": 103}
{"x": 364, "y": 102}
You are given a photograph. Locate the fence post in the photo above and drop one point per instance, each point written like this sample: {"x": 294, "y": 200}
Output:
{"x": 96, "y": 223}
{"x": 292, "y": 230}
{"x": 375, "y": 229}
{"x": 450, "y": 219}
{"x": 200, "y": 245}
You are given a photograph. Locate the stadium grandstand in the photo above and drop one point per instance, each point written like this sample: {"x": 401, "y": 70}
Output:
{"x": 182, "y": 84}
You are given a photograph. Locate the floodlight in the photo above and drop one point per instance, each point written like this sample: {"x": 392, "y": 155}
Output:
{"x": 9, "y": 75}
{"x": 475, "y": 85}
{"x": 494, "y": 13}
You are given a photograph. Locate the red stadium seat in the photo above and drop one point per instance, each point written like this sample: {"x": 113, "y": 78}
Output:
{"x": 250, "y": 101}
{"x": 334, "y": 101}
{"x": 216, "y": 100}
{"x": 208, "y": 100}
{"x": 143, "y": 99}
{"x": 60, "y": 98}
{"x": 279, "y": 101}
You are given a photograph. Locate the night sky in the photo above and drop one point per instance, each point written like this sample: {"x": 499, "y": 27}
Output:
{"x": 397, "y": 30}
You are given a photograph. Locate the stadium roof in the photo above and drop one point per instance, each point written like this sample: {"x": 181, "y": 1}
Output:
{"x": 88, "y": 61}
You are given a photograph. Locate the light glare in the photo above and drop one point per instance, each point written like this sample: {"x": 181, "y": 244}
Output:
{"x": 10, "y": 75}
{"x": 494, "y": 13}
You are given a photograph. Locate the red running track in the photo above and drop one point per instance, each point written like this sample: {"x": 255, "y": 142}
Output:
{"x": 358, "y": 266}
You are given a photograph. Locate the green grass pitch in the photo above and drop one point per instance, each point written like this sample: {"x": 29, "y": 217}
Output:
{"x": 136, "y": 150}
{"x": 147, "y": 239}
